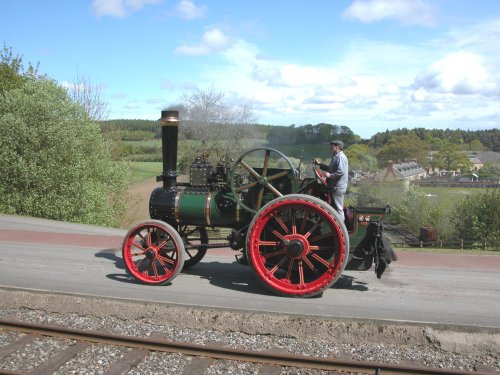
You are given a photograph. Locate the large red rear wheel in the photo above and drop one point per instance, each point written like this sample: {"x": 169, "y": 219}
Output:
{"x": 153, "y": 252}
{"x": 297, "y": 245}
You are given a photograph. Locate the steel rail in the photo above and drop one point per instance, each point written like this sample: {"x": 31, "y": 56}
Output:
{"x": 218, "y": 352}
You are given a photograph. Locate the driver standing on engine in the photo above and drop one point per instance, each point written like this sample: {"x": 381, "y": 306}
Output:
{"x": 336, "y": 176}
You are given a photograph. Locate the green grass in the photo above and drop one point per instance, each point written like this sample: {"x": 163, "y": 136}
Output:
{"x": 152, "y": 142}
{"x": 447, "y": 197}
{"x": 140, "y": 171}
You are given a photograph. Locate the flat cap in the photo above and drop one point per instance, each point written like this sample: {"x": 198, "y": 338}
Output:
{"x": 338, "y": 143}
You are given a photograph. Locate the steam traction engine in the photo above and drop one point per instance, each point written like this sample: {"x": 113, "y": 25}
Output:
{"x": 281, "y": 223}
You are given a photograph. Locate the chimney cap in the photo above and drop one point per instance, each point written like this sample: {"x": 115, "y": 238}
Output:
{"x": 169, "y": 116}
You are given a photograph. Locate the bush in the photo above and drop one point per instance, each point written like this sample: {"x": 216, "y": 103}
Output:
{"x": 477, "y": 217}
{"x": 54, "y": 161}
{"x": 417, "y": 210}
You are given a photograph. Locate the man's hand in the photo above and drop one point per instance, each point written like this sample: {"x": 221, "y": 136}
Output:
{"x": 327, "y": 174}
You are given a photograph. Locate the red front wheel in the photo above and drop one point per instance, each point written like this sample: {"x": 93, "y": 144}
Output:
{"x": 153, "y": 252}
{"x": 297, "y": 245}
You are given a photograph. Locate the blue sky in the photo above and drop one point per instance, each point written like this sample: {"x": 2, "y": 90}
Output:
{"x": 371, "y": 65}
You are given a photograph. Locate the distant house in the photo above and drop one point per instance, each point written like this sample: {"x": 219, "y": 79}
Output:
{"x": 488, "y": 156}
{"x": 355, "y": 175}
{"x": 477, "y": 163}
{"x": 403, "y": 170}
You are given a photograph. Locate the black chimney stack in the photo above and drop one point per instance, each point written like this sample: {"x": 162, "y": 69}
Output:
{"x": 169, "y": 134}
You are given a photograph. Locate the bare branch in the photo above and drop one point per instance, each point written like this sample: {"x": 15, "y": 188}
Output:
{"x": 90, "y": 96}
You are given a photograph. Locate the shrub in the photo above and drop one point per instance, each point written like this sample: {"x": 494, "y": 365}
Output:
{"x": 54, "y": 162}
{"x": 477, "y": 217}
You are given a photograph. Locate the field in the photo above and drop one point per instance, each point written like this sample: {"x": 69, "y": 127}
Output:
{"x": 447, "y": 197}
{"x": 141, "y": 171}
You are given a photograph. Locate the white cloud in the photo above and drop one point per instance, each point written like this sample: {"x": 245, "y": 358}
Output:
{"x": 294, "y": 75}
{"x": 408, "y": 12}
{"x": 460, "y": 73}
{"x": 214, "y": 40}
{"x": 188, "y": 10}
{"x": 370, "y": 83}
{"x": 118, "y": 8}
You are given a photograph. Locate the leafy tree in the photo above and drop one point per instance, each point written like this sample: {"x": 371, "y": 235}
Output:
{"x": 476, "y": 145}
{"x": 477, "y": 217}
{"x": 12, "y": 71}
{"x": 360, "y": 158}
{"x": 490, "y": 170}
{"x": 451, "y": 158}
{"x": 54, "y": 161}
{"x": 403, "y": 147}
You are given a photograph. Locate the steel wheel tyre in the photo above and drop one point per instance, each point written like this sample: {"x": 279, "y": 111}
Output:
{"x": 297, "y": 245}
{"x": 153, "y": 252}
{"x": 193, "y": 236}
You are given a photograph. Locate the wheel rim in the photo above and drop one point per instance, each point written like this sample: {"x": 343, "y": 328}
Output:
{"x": 193, "y": 237}
{"x": 296, "y": 247}
{"x": 263, "y": 181}
{"x": 153, "y": 253}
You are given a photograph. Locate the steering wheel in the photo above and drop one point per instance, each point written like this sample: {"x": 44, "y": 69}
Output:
{"x": 243, "y": 177}
{"x": 319, "y": 176}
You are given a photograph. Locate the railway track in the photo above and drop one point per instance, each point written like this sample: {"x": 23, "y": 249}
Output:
{"x": 198, "y": 358}
{"x": 398, "y": 234}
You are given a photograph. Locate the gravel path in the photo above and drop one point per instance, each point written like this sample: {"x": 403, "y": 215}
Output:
{"x": 461, "y": 348}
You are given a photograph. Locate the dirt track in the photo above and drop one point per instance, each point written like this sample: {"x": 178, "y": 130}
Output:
{"x": 138, "y": 196}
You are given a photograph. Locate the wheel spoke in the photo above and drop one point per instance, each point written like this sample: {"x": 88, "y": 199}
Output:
{"x": 282, "y": 224}
{"x": 273, "y": 254}
{"x": 259, "y": 198}
{"x": 139, "y": 263}
{"x": 301, "y": 273}
{"x": 266, "y": 162}
{"x": 321, "y": 236}
{"x": 278, "y": 265}
{"x": 164, "y": 243}
{"x": 246, "y": 186}
{"x": 139, "y": 247}
{"x": 289, "y": 271}
{"x": 319, "y": 248}
{"x": 277, "y": 175}
{"x": 148, "y": 238}
{"x": 195, "y": 246}
{"x": 279, "y": 235}
{"x": 294, "y": 224}
{"x": 250, "y": 169}
{"x": 166, "y": 259}
{"x": 310, "y": 265}
{"x": 155, "y": 268}
{"x": 303, "y": 226}
{"x": 268, "y": 243}
{"x": 321, "y": 260}
{"x": 273, "y": 189}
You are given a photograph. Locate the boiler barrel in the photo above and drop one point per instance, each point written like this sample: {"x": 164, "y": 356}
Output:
{"x": 212, "y": 209}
